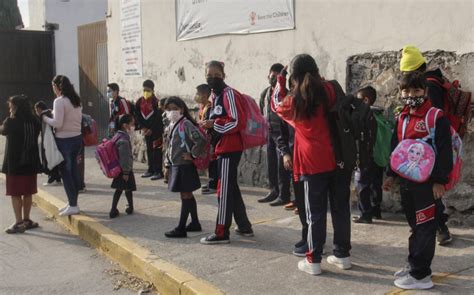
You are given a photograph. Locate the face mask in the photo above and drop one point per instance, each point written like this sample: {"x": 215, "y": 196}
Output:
{"x": 174, "y": 116}
{"x": 147, "y": 94}
{"x": 216, "y": 84}
{"x": 131, "y": 131}
{"x": 109, "y": 95}
{"x": 413, "y": 101}
{"x": 273, "y": 81}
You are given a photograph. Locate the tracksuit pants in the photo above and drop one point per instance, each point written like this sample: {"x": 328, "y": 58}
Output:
{"x": 318, "y": 188}
{"x": 421, "y": 213}
{"x": 229, "y": 196}
{"x": 369, "y": 190}
{"x": 298, "y": 187}
{"x": 278, "y": 177}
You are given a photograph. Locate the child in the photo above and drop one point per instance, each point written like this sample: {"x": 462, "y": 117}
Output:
{"x": 418, "y": 199}
{"x": 54, "y": 178}
{"x": 203, "y": 92}
{"x": 185, "y": 143}
{"x": 226, "y": 120}
{"x": 125, "y": 124}
{"x": 166, "y": 131}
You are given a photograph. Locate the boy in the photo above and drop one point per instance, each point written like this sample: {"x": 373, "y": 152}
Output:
{"x": 118, "y": 105}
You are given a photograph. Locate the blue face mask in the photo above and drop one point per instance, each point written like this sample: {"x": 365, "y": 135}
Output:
{"x": 109, "y": 95}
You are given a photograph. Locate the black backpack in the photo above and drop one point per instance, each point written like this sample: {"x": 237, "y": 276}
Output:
{"x": 353, "y": 130}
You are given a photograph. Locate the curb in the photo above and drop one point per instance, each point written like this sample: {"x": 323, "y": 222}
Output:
{"x": 166, "y": 277}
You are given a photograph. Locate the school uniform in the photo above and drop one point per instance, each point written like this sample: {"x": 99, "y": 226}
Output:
{"x": 213, "y": 172}
{"x": 124, "y": 149}
{"x": 421, "y": 209}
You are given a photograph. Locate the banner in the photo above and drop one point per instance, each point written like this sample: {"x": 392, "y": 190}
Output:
{"x": 202, "y": 18}
{"x": 131, "y": 35}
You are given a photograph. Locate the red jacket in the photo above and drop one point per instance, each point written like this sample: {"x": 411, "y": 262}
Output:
{"x": 227, "y": 114}
{"x": 313, "y": 152}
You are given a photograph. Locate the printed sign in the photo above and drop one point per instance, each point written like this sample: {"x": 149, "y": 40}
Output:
{"x": 131, "y": 35}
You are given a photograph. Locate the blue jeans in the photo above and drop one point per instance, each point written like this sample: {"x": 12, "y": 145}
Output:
{"x": 70, "y": 148}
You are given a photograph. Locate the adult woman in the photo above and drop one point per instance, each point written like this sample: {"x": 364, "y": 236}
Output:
{"x": 66, "y": 120}
{"x": 306, "y": 109}
{"x": 21, "y": 162}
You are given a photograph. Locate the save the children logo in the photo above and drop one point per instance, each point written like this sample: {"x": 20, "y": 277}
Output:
{"x": 253, "y": 18}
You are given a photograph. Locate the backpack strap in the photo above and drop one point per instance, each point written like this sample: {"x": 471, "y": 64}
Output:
{"x": 125, "y": 105}
{"x": 182, "y": 135}
{"x": 430, "y": 121}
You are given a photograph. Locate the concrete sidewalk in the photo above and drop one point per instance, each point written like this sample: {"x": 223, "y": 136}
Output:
{"x": 264, "y": 264}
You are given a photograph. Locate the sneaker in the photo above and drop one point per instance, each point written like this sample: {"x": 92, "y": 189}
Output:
{"x": 213, "y": 239}
{"x": 147, "y": 174}
{"x": 342, "y": 263}
{"x": 194, "y": 227}
{"x": 311, "y": 268}
{"x": 157, "y": 176}
{"x": 205, "y": 186}
{"x": 82, "y": 191}
{"x": 209, "y": 191}
{"x": 403, "y": 271}
{"x": 70, "y": 210}
{"x": 114, "y": 213}
{"x": 53, "y": 183}
{"x": 300, "y": 243}
{"x": 410, "y": 283}
{"x": 176, "y": 233}
{"x": 63, "y": 208}
{"x": 444, "y": 236}
{"x": 244, "y": 232}
{"x": 301, "y": 250}
{"x": 361, "y": 219}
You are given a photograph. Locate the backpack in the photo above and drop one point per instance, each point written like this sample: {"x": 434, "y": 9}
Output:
{"x": 383, "y": 137}
{"x": 353, "y": 128}
{"x": 457, "y": 104}
{"x": 89, "y": 130}
{"x": 202, "y": 161}
{"x": 256, "y": 127}
{"x": 107, "y": 156}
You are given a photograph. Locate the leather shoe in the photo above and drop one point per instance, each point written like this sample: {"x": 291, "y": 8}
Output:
{"x": 278, "y": 202}
{"x": 269, "y": 198}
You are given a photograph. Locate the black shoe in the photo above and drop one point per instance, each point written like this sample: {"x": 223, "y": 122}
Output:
{"x": 301, "y": 251}
{"x": 360, "y": 219}
{"x": 147, "y": 174}
{"x": 129, "y": 210}
{"x": 193, "y": 227}
{"x": 300, "y": 243}
{"x": 113, "y": 213}
{"x": 279, "y": 202}
{"x": 269, "y": 198}
{"x": 157, "y": 176}
{"x": 176, "y": 233}
{"x": 444, "y": 236}
{"x": 376, "y": 213}
{"x": 214, "y": 239}
{"x": 244, "y": 232}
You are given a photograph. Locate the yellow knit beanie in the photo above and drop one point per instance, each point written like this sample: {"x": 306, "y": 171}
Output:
{"x": 412, "y": 59}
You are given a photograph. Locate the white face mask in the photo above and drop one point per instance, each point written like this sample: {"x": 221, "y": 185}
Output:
{"x": 174, "y": 116}
{"x": 131, "y": 131}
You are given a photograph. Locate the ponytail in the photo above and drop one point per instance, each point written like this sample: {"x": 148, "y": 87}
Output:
{"x": 67, "y": 90}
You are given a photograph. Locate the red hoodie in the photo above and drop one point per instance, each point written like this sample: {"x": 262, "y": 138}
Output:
{"x": 313, "y": 151}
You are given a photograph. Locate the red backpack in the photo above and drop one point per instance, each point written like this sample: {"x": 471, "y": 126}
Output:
{"x": 256, "y": 127}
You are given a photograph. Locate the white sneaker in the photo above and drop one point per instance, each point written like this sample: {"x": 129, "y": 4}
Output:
{"x": 54, "y": 183}
{"x": 403, "y": 271}
{"x": 410, "y": 283}
{"x": 311, "y": 268}
{"x": 70, "y": 210}
{"x": 342, "y": 263}
{"x": 63, "y": 208}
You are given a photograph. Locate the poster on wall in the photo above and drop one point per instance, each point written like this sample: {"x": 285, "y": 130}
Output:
{"x": 131, "y": 37}
{"x": 202, "y": 18}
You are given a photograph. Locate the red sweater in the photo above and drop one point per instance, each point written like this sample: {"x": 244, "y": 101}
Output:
{"x": 313, "y": 151}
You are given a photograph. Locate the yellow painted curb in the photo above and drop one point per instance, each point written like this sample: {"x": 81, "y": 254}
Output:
{"x": 166, "y": 277}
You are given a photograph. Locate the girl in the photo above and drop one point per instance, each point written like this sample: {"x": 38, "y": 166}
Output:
{"x": 226, "y": 119}
{"x": 305, "y": 108}
{"x": 21, "y": 162}
{"x": 126, "y": 180}
{"x": 67, "y": 121}
{"x": 185, "y": 143}
{"x": 418, "y": 199}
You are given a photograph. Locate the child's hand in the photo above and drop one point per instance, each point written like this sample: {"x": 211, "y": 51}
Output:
{"x": 287, "y": 162}
{"x": 187, "y": 157}
{"x": 126, "y": 177}
{"x": 438, "y": 191}
{"x": 208, "y": 124}
{"x": 388, "y": 183}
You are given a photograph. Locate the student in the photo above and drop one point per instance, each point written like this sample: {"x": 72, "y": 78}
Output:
{"x": 149, "y": 118}
{"x": 278, "y": 176}
{"x": 226, "y": 120}
{"x": 125, "y": 125}
{"x": 418, "y": 199}
{"x": 186, "y": 143}
{"x": 118, "y": 105}
{"x": 412, "y": 60}
{"x": 166, "y": 131}
{"x": 21, "y": 161}
{"x": 203, "y": 92}
{"x": 369, "y": 179}
{"x": 54, "y": 178}
{"x": 305, "y": 108}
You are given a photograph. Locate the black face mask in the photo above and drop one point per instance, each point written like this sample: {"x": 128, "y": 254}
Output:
{"x": 216, "y": 84}
{"x": 413, "y": 101}
{"x": 273, "y": 81}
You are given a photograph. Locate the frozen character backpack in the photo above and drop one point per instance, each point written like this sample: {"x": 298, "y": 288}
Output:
{"x": 202, "y": 161}
{"x": 107, "y": 156}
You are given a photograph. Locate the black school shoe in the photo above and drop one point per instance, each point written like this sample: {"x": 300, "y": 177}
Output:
{"x": 176, "y": 233}
{"x": 147, "y": 174}
{"x": 214, "y": 239}
{"x": 376, "y": 213}
{"x": 272, "y": 196}
{"x": 362, "y": 219}
{"x": 157, "y": 176}
{"x": 444, "y": 236}
{"x": 129, "y": 210}
{"x": 194, "y": 227}
{"x": 244, "y": 232}
{"x": 113, "y": 213}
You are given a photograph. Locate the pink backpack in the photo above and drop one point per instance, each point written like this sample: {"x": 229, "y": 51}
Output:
{"x": 107, "y": 156}
{"x": 256, "y": 127}
{"x": 202, "y": 161}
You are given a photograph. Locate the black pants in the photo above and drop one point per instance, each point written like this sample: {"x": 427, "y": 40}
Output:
{"x": 278, "y": 176}
{"x": 154, "y": 156}
{"x": 213, "y": 174}
{"x": 442, "y": 217}
{"x": 369, "y": 190}
{"x": 318, "y": 188}
{"x": 298, "y": 186}
{"x": 81, "y": 165}
{"x": 229, "y": 197}
{"x": 420, "y": 210}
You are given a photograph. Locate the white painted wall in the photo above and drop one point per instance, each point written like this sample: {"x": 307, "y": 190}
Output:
{"x": 330, "y": 30}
